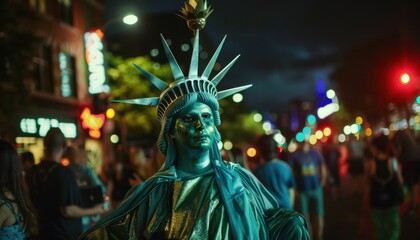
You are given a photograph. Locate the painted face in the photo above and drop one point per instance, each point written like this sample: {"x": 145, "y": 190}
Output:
{"x": 194, "y": 127}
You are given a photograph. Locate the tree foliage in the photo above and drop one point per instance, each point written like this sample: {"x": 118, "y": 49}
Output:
{"x": 128, "y": 83}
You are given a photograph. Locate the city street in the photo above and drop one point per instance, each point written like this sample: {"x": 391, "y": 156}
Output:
{"x": 346, "y": 218}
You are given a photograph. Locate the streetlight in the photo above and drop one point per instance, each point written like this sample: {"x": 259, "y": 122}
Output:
{"x": 130, "y": 19}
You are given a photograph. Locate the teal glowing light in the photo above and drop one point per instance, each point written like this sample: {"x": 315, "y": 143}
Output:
{"x": 306, "y": 131}
{"x": 418, "y": 99}
{"x": 311, "y": 119}
{"x": 300, "y": 137}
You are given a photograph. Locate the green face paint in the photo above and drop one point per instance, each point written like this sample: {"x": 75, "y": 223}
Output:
{"x": 194, "y": 127}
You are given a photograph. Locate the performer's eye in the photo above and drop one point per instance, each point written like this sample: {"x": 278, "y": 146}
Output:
{"x": 206, "y": 116}
{"x": 187, "y": 119}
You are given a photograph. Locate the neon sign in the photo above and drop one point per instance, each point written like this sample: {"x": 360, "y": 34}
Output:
{"x": 92, "y": 122}
{"x": 94, "y": 54}
{"x": 40, "y": 126}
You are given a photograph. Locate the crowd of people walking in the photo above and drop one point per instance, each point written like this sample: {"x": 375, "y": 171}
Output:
{"x": 45, "y": 201}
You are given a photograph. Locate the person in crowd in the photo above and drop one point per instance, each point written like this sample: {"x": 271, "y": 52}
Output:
{"x": 385, "y": 189}
{"x": 86, "y": 178}
{"x": 55, "y": 193}
{"x": 275, "y": 174}
{"x": 85, "y": 175}
{"x": 356, "y": 149}
{"x": 310, "y": 173}
{"x": 121, "y": 178}
{"x": 236, "y": 155}
{"x": 407, "y": 152}
{"x": 28, "y": 161}
{"x": 17, "y": 216}
{"x": 195, "y": 194}
{"x": 332, "y": 155}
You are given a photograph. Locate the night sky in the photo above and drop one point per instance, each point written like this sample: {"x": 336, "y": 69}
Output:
{"x": 287, "y": 46}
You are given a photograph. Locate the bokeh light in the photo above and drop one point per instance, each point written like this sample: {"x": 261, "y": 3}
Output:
{"x": 330, "y": 94}
{"x": 237, "y": 97}
{"x": 228, "y": 145}
{"x": 110, "y": 113}
{"x": 300, "y": 137}
{"x": 114, "y": 138}
{"x": 327, "y": 131}
{"x": 311, "y": 119}
{"x": 368, "y": 132}
{"x": 251, "y": 152}
{"x": 341, "y": 138}
{"x": 258, "y": 117}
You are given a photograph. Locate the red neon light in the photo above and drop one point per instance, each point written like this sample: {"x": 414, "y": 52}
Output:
{"x": 92, "y": 122}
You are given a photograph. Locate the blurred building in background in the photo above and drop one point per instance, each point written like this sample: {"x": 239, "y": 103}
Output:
{"x": 53, "y": 74}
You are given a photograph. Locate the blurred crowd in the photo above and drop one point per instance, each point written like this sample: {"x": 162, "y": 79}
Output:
{"x": 383, "y": 169}
{"x": 52, "y": 200}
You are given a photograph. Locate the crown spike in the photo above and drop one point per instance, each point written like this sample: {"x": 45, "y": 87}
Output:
{"x": 152, "y": 101}
{"x": 210, "y": 65}
{"x": 194, "y": 57}
{"x": 231, "y": 91}
{"x": 223, "y": 72}
{"x": 176, "y": 70}
{"x": 161, "y": 85}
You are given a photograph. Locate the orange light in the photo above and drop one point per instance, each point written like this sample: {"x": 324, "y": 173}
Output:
{"x": 92, "y": 122}
{"x": 251, "y": 152}
{"x": 65, "y": 162}
{"x": 368, "y": 131}
{"x": 94, "y": 134}
{"x": 99, "y": 33}
{"x": 405, "y": 78}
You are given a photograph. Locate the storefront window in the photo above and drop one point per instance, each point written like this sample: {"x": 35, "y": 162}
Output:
{"x": 68, "y": 74}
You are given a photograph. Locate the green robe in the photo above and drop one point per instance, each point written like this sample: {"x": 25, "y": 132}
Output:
{"x": 167, "y": 207}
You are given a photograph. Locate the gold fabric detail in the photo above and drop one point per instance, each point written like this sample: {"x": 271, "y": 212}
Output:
{"x": 197, "y": 210}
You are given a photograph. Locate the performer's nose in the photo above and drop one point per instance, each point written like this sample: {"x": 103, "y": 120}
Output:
{"x": 200, "y": 123}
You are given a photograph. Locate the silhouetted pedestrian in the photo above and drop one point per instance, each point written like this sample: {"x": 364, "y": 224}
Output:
{"x": 55, "y": 193}
{"x": 17, "y": 216}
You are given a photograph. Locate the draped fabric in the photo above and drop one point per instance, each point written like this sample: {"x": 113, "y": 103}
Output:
{"x": 226, "y": 203}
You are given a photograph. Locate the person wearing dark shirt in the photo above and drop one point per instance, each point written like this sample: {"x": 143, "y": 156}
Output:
{"x": 55, "y": 193}
{"x": 408, "y": 154}
{"x": 384, "y": 188}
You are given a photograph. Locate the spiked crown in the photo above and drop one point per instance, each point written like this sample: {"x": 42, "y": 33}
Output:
{"x": 195, "y": 13}
{"x": 185, "y": 85}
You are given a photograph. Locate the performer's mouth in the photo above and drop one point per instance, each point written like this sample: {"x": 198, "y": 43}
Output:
{"x": 202, "y": 138}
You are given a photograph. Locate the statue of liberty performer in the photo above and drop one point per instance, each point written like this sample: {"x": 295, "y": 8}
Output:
{"x": 196, "y": 195}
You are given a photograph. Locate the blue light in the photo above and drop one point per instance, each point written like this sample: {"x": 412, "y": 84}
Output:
{"x": 418, "y": 99}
